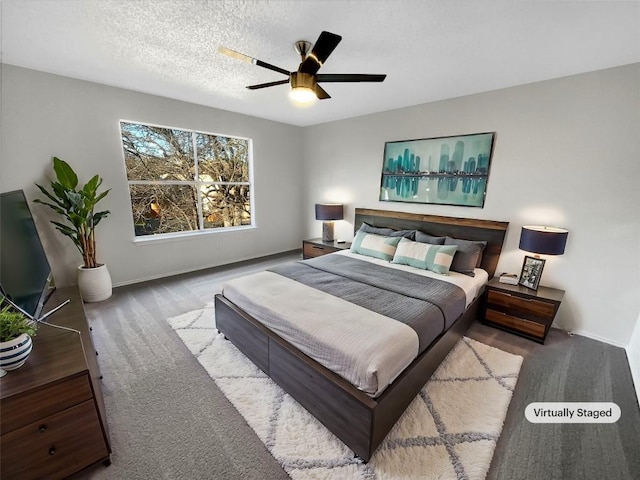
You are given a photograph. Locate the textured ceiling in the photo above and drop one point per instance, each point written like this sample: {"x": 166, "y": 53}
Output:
{"x": 430, "y": 50}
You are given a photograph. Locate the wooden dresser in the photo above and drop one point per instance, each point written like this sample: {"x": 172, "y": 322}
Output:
{"x": 53, "y": 421}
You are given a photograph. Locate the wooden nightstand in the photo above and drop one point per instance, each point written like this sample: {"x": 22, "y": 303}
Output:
{"x": 316, "y": 247}
{"x": 520, "y": 310}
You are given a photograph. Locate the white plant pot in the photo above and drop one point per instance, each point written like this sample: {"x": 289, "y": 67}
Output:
{"x": 14, "y": 353}
{"x": 94, "y": 283}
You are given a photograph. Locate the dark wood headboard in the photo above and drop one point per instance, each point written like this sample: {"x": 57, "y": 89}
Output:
{"x": 491, "y": 231}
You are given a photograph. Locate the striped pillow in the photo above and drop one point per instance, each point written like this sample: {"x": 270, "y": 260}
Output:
{"x": 373, "y": 245}
{"x": 437, "y": 258}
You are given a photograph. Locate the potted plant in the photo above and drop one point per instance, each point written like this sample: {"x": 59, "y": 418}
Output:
{"x": 77, "y": 206}
{"x": 16, "y": 331}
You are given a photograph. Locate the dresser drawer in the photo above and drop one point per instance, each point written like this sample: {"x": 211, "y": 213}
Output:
{"x": 520, "y": 305}
{"x": 520, "y": 324}
{"x": 311, "y": 250}
{"x": 20, "y": 410}
{"x": 54, "y": 447}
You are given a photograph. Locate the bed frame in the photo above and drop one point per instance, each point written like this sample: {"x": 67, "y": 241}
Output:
{"x": 361, "y": 422}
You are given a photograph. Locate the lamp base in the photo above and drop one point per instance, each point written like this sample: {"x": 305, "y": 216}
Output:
{"x": 327, "y": 232}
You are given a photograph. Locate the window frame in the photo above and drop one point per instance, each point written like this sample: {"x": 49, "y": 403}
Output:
{"x": 196, "y": 183}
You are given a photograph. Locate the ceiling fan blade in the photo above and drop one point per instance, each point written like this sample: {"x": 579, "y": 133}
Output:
{"x": 320, "y": 93}
{"x": 254, "y": 61}
{"x": 265, "y": 85}
{"x": 349, "y": 77}
{"x": 326, "y": 43}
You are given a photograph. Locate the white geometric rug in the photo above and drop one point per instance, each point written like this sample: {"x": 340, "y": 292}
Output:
{"x": 449, "y": 431}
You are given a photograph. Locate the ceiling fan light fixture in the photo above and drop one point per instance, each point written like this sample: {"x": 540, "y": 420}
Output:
{"x": 303, "y": 88}
{"x": 302, "y": 95}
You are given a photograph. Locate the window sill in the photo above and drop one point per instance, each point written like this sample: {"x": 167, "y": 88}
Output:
{"x": 180, "y": 236}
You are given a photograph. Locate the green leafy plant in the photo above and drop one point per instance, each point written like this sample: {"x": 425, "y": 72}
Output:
{"x": 77, "y": 206}
{"x": 13, "y": 324}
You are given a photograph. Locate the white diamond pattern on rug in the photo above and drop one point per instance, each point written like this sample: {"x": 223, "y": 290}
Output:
{"x": 448, "y": 432}
{"x": 411, "y": 463}
{"x": 408, "y": 429}
{"x": 248, "y": 396}
{"x": 471, "y": 456}
{"x": 299, "y": 437}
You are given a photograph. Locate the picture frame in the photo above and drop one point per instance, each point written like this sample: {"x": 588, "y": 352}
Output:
{"x": 451, "y": 170}
{"x": 531, "y": 272}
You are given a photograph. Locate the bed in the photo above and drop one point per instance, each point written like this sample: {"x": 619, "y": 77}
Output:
{"x": 360, "y": 410}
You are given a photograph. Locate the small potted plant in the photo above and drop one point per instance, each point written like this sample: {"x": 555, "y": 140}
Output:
{"x": 16, "y": 331}
{"x": 77, "y": 206}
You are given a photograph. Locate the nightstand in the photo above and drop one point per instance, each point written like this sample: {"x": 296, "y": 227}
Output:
{"x": 316, "y": 247}
{"x": 521, "y": 310}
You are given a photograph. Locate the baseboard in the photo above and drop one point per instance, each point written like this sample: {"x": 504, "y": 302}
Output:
{"x": 206, "y": 267}
{"x": 582, "y": 333}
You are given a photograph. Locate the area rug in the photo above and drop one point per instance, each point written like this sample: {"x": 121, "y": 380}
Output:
{"x": 449, "y": 431}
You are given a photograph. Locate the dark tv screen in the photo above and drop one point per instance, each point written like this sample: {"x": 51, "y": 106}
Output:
{"x": 25, "y": 275}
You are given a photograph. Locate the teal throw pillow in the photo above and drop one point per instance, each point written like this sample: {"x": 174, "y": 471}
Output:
{"x": 437, "y": 258}
{"x": 372, "y": 245}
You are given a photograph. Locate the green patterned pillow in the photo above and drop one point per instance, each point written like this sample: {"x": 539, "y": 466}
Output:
{"x": 373, "y": 245}
{"x": 437, "y": 258}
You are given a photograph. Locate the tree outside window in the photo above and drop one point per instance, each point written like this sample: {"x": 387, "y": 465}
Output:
{"x": 182, "y": 180}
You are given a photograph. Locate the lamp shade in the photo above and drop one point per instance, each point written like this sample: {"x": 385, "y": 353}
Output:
{"x": 543, "y": 240}
{"x": 329, "y": 211}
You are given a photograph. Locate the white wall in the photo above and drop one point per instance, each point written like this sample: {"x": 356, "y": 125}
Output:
{"x": 566, "y": 154}
{"x": 45, "y": 115}
{"x": 633, "y": 354}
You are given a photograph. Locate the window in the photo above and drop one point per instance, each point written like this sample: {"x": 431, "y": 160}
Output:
{"x": 182, "y": 180}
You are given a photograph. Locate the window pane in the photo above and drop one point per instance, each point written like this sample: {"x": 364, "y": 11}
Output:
{"x": 226, "y": 205}
{"x": 155, "y": 153}
{"x": 222, "y": 159}
{"x": 163, "y": 208}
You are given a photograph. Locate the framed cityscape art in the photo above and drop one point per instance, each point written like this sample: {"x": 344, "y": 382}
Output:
{"x": 442, "y": 170}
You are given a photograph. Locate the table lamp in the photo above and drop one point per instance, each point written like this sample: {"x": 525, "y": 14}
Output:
{"x": 328, "y": 212}
{"x": 539, "y": 240}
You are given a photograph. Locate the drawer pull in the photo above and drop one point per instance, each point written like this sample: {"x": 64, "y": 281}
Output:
{"x": 317, "y": 247}
{"x": 52, "y": 450}
{"x": 42, "y": 428}
{"x": 521, "y": 325}
{"x": 504, "y": 294}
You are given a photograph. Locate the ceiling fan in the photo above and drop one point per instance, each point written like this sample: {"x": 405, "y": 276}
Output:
{"x": 304, "y": 81}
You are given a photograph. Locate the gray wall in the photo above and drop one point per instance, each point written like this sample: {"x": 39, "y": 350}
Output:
{"x": 45, "y": 115}
{"x": 566, "y": 154}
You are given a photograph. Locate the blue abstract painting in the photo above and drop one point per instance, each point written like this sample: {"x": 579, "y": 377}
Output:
{"x": 443, "y": 170}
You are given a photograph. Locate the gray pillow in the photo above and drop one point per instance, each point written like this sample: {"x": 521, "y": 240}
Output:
{"x": 426, "y": 238}
{"x": 387, "y": 232}
{"x": 468, "y": 255}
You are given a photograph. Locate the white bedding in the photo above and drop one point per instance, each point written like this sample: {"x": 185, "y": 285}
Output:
{"x": 329, "y": 329}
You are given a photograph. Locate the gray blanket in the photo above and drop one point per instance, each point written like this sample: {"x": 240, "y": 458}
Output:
{"x": 427, "y": 305}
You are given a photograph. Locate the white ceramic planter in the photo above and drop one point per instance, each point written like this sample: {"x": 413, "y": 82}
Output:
{"x": 14, "y": 353}
{"x": 94, "y": 283}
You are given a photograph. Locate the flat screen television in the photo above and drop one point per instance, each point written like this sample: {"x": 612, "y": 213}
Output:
{"x": 25, "y": 274}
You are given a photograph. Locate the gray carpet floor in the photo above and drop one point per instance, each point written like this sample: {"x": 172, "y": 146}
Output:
{"x": 168, "y": 419}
